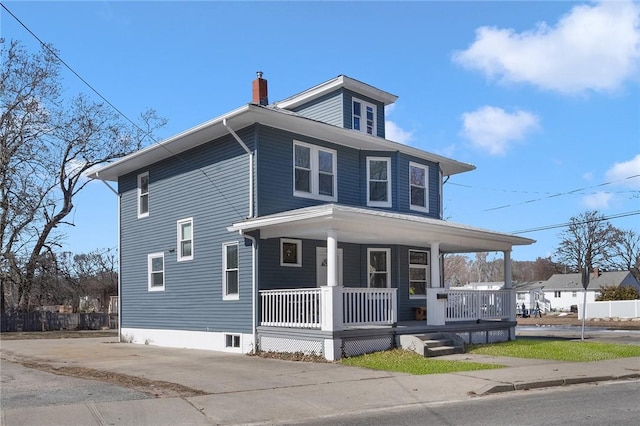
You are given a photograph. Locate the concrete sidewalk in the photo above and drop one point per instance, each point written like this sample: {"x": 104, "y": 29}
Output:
{"x": 250, "y": 390}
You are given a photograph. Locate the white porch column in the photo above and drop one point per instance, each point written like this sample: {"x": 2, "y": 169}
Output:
{"x": 332, "y": 258}
{"x": 331, "y": 319}
{"x": 436, "y": 308}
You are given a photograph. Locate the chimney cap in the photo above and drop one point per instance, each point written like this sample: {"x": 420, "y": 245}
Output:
{"x": 259, "y": 74}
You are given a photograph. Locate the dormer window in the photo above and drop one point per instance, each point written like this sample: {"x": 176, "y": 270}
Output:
{"x": 364, "y": 117}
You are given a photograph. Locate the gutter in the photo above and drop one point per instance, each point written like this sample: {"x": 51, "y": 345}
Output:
{"x": 248, "y": 151}
{"x": 254, "y": 289}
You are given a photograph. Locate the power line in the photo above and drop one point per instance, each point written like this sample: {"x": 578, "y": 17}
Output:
{"x": 563, "y": 225}
{"x": 551, "y": 195}
{"x": 146, "y": 134}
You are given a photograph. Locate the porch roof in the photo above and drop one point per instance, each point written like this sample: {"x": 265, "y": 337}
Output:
{"x": 369, "y": 226}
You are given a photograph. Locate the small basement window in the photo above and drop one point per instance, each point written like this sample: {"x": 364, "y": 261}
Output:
{"x": 232, "y": 341}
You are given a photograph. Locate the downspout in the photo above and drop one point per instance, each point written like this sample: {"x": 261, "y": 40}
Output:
{"x": 254, "y": 289}
{"x": 119, "y": 261}
{"x": 248, "y": 151}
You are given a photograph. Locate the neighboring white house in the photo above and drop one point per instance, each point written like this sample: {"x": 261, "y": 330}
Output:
{"x": 565, "y": 290}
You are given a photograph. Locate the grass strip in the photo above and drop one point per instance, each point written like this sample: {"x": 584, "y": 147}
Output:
{"x": 558, "y": 350}
{"x": 403, "y": 361}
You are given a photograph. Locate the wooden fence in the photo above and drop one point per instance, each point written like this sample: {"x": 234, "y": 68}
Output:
{"x": 52, "y": 321}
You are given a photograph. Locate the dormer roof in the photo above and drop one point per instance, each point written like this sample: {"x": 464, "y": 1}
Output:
{"x": 341, "y": 81}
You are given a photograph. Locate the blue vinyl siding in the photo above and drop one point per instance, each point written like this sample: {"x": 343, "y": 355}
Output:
{"x": 327, "y": 108}
{"x": 275, "y": 172}
{"x": 209, "y": 184}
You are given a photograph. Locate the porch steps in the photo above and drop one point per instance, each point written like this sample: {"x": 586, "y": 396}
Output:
{"x": 432, "y": 344}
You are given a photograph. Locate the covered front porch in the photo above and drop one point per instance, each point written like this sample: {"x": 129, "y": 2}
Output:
{"x": 337, "y": 320}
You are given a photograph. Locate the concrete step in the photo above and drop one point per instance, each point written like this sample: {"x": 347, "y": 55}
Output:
{"x": 432, "y": 344}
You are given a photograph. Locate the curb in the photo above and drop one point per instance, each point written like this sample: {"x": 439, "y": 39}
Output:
{"x": 508, "y": 387}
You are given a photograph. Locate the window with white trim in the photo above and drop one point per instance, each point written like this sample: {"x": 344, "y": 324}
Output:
{"x": 364, "y": 117}
{"x": 290, "y": 252}
{"x": 314, "y": 172}
{"x": 231, "y": 340}
{"x": 379, "y": 265}
{"x": 418, "y": 273}
{"x": 143, "y": 194}
{"x": 185, "y": 239}
{"x": 418, "y": 184}
{"x": 230, "y": 269}
{"x": 379, "y": 181}
{"x": 155, "y": 266}
{"x": 557, "y": 294}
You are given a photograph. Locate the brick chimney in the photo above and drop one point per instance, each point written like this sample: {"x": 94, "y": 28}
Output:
{"x": 260, "y": 95}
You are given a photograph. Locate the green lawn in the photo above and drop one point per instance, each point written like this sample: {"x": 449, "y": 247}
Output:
{"x": 403, "y": 361}
{"x": 559, "y": 350}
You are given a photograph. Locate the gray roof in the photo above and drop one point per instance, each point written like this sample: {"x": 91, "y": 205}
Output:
{"x": 574, "y": 281}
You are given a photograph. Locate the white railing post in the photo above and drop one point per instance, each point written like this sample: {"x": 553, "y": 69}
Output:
{"x": 331, "y": 312}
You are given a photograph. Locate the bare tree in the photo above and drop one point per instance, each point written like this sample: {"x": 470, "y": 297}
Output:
{"x": 456, "y": 269}
{"x": 47, "y": 144}
{"x": 587, "y": 242}
{"x": 626, "y": 251}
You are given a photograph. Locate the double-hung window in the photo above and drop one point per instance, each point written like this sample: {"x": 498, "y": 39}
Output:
{"x": 418, "y": 273}
{"x": 143, "y": 194}
{"x": 230, "y": 269}
{"x": 314, "y": 172}
{"x": 379, "y": 267}
{"x": 364, "y": 117}
{"x": 378, "y": 182}
{"x": 155, "y": 266}
{"x": 418, "y": 184}
{"x": 185, "y": 239}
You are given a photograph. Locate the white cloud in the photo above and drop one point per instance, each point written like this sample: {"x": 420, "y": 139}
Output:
{"x": 592, "y": 48}
{"x": 599, "y": 200}
{"x": 492, "y": 129}
{"x": 625, "y": 173}
{"x": 395, "y": 133}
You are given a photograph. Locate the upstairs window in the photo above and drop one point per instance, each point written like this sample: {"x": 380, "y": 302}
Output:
{"x": 143, "y": 194}
{"x": 185, "y": 239}
{"x": 314, "y": 174}
{"x": 364, "y": 117}
{"x": 418, "y": 180}
{"x": 230, "y": 283}
{"x": 155, "y": 265}
{"x": 378, "y": 182}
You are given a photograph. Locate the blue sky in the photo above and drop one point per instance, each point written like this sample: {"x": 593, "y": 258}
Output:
{"x": 542, "y": 97}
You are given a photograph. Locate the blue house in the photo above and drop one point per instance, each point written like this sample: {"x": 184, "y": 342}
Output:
{"x": 296, "y": 226}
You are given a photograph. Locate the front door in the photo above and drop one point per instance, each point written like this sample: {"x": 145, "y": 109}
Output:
{"x": 321, "y": 266}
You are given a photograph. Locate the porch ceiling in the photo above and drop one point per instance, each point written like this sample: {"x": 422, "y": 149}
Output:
{"x": 368, "y": 226}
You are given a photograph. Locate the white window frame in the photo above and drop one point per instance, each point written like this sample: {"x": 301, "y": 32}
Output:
{"x": 315, "y": 173}
{"x": 363, "y": 118}
{"x": 150, "y": 271}
{"x": 387, "y": 252}
{"x": 225, "y": 290}
{"x": 234, "y": 339}
{"x": 425, "y": 208}
{"x": 140, "y": 194}
{"x": 387, "y": 203}
{"x": 181, "y": 239}
{"x": 427, "y": 269}
{"x": 298, "y": 244}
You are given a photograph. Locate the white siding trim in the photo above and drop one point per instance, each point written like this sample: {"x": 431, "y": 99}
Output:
{"x": 205, "y": 340}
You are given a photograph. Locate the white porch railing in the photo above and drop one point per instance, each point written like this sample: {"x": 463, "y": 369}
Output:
{"x": 471, "y": 305}
{"x": 299, "y": 308}
{"x": 369, "y": 306}
{"x": 303, "y": 308}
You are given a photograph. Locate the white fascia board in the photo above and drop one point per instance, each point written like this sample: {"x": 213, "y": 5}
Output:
{"x": 359, "y": 225}
{"x": 333, "y": 84}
